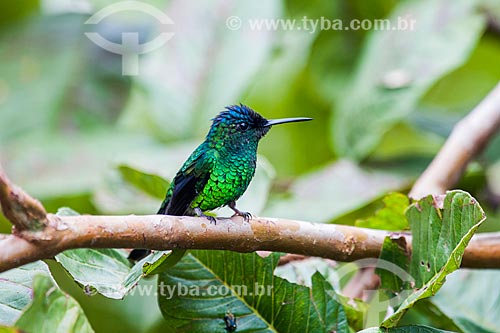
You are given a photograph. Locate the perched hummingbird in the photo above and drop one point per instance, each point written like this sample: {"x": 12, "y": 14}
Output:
{"x": 219, "y": 171}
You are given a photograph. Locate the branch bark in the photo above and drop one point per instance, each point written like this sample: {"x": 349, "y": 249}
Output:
{"x": 174, "y": 232}
{"x": 468, "y": 138}
{"x": 25, "y": 212}
{"x": 338, "y": 242}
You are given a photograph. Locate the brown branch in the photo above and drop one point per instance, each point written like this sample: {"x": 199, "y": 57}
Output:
{"x": 19, "y": 208}
{"x": 343, "y": 243}
{"x": 173, "y": 232}
{"x": 467, "y": 140}
{"x": 481, "y": 250}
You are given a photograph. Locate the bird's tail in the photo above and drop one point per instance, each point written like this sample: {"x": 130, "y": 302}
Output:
{"x": 163, "y": 207}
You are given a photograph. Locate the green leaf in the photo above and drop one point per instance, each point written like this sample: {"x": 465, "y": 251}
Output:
{"x": 336, "y": 189}
{"x": 52, "y": 311}
{"x": 151, "y": 184}
{"x": 391, "y": 217}
{"x": 16, "y": 290}
{"x": 159, "y": 261}
{"x": 204, "y": 285}
{"x": 328, "y": 306}
{"x": 394, "y": 250}
{"x": 440, "y": 236}
{"x": 11, "y": 12}
{"x": 108, "y": 271}
{"x": 480, "y": 289}
{"x": 425, "y": 312}
{"x": 102, "y": 270}
{"x": 405, "y": 329}
{"x": 302, "y": 271}
{"x": 398, "y": 67}
{"x": 9, "y": 330}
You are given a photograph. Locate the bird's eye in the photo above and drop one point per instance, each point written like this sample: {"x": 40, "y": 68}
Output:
{"x": 243, "y": 126}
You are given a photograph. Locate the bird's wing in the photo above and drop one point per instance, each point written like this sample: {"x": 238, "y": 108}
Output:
{"x": 190, "y": 180}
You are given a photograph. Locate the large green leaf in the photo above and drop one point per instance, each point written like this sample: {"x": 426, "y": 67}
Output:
{"x": 440, "y": 235}
{"x": 152, "y": 184}
{"x": 336, "y": 189}
{"x": 481, "y": 311}
{"x": 398, "y": 67}
{"x": 103, "y": 270}
{"x": 195, "y": 295}
{"x": 108, "y": 271}
{"x": 52, "y": 311}
{"x": 137, "y": 312}
{"x": 16, "y": 290}
{"x": 302, "y": 271}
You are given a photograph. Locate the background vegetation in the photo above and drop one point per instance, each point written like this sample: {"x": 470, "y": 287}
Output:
{"x": 71, "y": 125}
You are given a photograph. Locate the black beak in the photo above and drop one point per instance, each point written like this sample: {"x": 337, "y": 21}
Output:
{"x": 272, "y": 122}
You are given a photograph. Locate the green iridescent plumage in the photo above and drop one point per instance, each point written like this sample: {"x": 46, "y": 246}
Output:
{"x": 219, "y": 171}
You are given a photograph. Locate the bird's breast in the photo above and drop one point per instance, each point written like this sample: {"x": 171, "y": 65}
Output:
{"x": 228, "y": 181}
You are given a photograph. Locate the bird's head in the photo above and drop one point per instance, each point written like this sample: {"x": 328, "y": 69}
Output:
{"x": 240, "y": 125}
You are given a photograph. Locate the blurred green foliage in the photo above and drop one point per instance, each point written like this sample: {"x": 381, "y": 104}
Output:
{"x": 74, "y": 131}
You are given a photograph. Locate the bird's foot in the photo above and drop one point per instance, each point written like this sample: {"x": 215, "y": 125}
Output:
{"x": 246, "y": 215}
{"x": 200, "y": 213}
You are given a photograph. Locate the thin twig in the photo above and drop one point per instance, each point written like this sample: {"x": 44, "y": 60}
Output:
{"x": 467, "y": 140}
{"x": 25, "y": 212}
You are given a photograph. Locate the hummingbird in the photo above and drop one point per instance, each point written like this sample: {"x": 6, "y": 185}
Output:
{"x": 220, "y": 169}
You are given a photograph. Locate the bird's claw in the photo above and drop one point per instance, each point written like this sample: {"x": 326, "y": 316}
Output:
{"x": 200, "y": 213}
{"x": 211, "y": 219}
{"x": 246, "y": 215}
